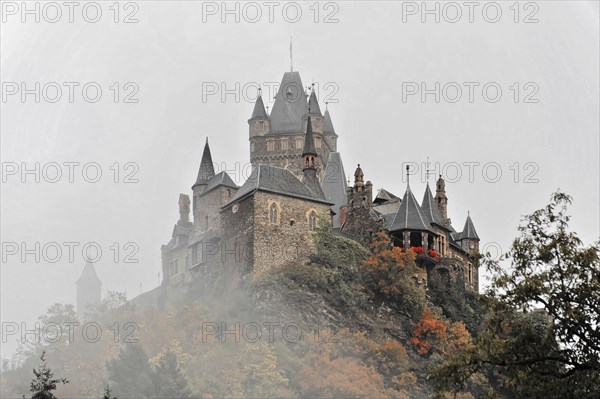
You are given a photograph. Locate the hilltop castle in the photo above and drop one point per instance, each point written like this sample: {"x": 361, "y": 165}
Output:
{"x": 298, "y": 179}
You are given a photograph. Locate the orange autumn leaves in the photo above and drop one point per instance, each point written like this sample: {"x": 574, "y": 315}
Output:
{"x": 435, "y": 335}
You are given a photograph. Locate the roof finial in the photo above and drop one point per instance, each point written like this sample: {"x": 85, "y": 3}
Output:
{"x": 259, "y": 91}
{"x": 267, "y": 110}
{"x": 206, "y": 139}
{"x": 291, "y": 59}
{"x": 326, "y": 105}
{"x": 427, "y": 171}
{"x": 407, "y": 175}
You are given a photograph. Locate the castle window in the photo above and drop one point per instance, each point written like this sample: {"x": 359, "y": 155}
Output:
{"x": 317, "y": 142}
{"x": 270, "y": 145}
{"x": 273, "y": 214}
{"x": 292, "y": 223}
{"x": 312, "y": 220}
{"x": 228, "y": 193}
{"x": 471, "y": 244}
{"x": 261, "y": 126}
{"x": 252, "y": 146}
{"x": 299, "y": 143}
{"x": 174, "y": 267}
{"x": 284, "y": 144}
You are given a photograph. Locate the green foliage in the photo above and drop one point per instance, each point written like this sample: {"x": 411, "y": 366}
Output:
{"x": 541, "y": 330}
{"x": 131, "y": 374}
{"x": 170, "y": 381}
{"x": 456, "y": 302}
{"x": 44, "y": 383}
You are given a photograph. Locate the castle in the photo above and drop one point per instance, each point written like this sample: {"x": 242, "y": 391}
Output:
{"x": 298, "y": 179}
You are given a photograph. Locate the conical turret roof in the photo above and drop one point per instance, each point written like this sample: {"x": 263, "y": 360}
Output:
{"x": 430, "y": 209}
{"x": 409, "y": 215}
{"x": 313, "y": 105}
{"x": 88, "y": 275}
{"x": 259, "y": 109}
{"x": 206, "y": 170}
{"x": 469, "y": 230}
{"x": 327, "y": 124}
{"x": 309, "y": 141}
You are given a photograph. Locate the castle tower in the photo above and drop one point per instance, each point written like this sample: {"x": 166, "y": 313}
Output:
{"x": 88, "y": 290}
{"x": 205, "y": 172}
{"x": 310, "y": 162}
{"x": 277, "y": 139}
{"x": 441, "y": 201}
{"x": 469, "y": 240}
{"x": 361, "y": 194}
{"x": 259, "y": 124}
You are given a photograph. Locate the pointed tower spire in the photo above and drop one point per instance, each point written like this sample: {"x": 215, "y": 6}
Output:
{"x": 259, "y": 107}
{"x": 206, "y": 170}
{"x": 309, "y": 154}
{"x": 313, "y": 103}
{"x": 88, "y": 289}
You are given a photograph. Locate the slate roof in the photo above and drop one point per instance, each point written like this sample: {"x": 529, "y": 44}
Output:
{"x": 388, "y": 207}
{"x": 275, "y": 180}
{"x": 220, "y": 179}
{"x": 430, "y": 209}
{"x": 259, "y": 109}
{"x": 409, "y": 215}
{"x": 469, "y": 230}
{"x": 206, "y": 170}
{"x": 290, "y": 105}
{"x": 334, "y": 185}
{"x": 88, "y": 275}
{"x": 313, "y": 104}
{"x": 383, "y": 196}
{"x": 327, "y": 123}
{"x": 309, "y": 141}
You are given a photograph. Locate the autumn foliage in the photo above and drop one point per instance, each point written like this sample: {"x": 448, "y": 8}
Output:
{"x": 433, "y": 334}
{"x": 393, "y": 273}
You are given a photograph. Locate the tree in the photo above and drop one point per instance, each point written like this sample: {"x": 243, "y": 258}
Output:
{"x": 170, "y": 381}
{"x": 542, "y": 329}
{"x": 130, "y": 373}
{"x": 44, "y": 382}
{"x": 390, "y": 272}
{"x": 108, "y": 393}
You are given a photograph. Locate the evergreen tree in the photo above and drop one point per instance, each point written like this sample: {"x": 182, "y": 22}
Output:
{"x": 108, "y": 393}
{"x": 170, "y": 381}
{"x": 44, "y": 383}
{"x": 130, "y": 374}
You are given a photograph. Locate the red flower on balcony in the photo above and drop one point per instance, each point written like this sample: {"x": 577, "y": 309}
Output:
{"x": 418, "y": 250}
{"x": 433, "y": 253}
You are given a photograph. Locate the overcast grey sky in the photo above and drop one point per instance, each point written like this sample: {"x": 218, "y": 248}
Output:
{"x": 367, "y": 60}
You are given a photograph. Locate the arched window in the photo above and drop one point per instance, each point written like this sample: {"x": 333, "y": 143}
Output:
{"x": 312, "y": 220}
{"x": 273, "y": 214}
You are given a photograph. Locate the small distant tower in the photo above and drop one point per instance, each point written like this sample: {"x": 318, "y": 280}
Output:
{"x": 259, "y": 125}
{"x": 361, "y": 194}
{"x": 88, "y": 289}
{"x": 441, "y": 201}
{"x": 205, "y": 172}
